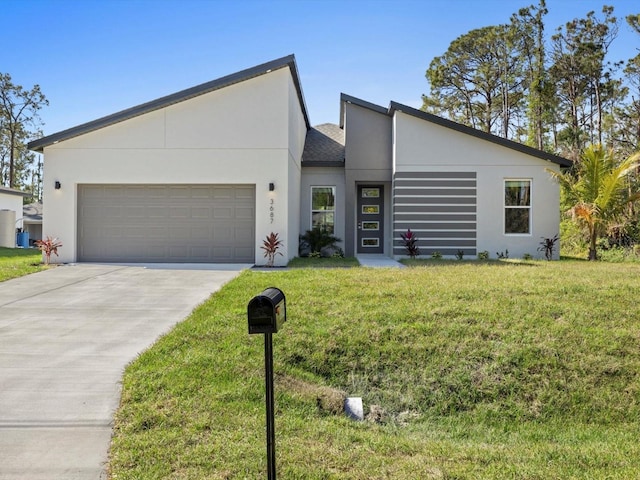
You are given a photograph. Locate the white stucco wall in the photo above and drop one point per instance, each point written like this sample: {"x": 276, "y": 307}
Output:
{"x": 297, "y": 136}
{"x": 14, "y": 203}
{"x": 236, "y": 135}
{"x": 421, "y": 146}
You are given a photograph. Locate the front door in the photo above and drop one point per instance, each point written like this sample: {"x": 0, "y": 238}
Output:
{"x": 370, "y": 219}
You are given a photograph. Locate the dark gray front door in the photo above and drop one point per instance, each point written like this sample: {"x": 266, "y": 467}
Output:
{"x": 370, "y": 219}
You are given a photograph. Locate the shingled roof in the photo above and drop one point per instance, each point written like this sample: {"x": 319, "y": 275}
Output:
{"x": 324, "y": 146}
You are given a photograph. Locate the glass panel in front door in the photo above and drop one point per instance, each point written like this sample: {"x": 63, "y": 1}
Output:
{"x": 370, "y": 218}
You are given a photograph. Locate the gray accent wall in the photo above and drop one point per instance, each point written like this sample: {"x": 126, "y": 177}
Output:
{"x": 368, "y": 158}
{"x": 439, "y": 207}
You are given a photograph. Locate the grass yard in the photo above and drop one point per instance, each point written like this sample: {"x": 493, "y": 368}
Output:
{"x": 468, "y": 370}
{"x": 16, "y": 262}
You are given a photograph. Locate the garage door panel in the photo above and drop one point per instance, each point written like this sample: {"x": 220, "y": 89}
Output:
{"x": 180, "y": 191}
{"x": 242, "y": 252}
{"x": 222, "y": 213}
{"x": 111, "y": 191}
{"x": 244, "y": 192}
{"x": 132, "y": 212}
{"x": 166, "y": 223}
{"x": 244, "y": 213}
{"x": 154, "y": 211}
{"x": 203, "y": 213}
{"x": 200, "y": 232}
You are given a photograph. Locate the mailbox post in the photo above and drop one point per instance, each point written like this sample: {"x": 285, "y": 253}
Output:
{"x": 265, "y": 314}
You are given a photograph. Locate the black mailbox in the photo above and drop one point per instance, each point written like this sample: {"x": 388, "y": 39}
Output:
{"x": 267, "y": 312}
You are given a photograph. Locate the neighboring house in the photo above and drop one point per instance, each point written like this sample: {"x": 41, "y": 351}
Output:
{"x": 204, "y": 175}
{"x": 11, "y": 201}
{"x": 32, "y": 221}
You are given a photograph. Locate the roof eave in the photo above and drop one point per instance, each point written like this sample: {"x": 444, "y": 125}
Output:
{"x": 288, "y": 61}
{"x": 13, "y": 191}
{"x": 562, "y": 162}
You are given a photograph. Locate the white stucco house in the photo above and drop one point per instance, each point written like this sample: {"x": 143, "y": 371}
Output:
{"x": 205, "y": 174}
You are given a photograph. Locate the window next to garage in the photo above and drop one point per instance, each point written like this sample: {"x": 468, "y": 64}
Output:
{"x": 517, "y": 207}
{"x": 323, "y": 208}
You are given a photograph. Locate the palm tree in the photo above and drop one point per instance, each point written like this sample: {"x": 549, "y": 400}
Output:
{"x": 597, "y": 191}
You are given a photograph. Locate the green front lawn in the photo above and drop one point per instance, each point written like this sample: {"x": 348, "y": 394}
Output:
{"x": 16, "y": 262}
{"x": 470, "y": 370}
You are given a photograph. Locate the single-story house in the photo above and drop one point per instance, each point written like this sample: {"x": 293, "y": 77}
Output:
{"x": 11, "y": 201}
{"x": 205, "y": 174}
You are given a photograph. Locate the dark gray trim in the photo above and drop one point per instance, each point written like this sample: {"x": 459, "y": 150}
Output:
{"x": 453, "y": 243}
{"x": 416, "y": 218}
{"x": 407, "y": 182}
{"x": 400, "y": 209}
{"x": 435, "y": 175}
{"x": 320, "y": 163}
{"x": 435, "y": 200}
{"x": 288, "y": 61}
{"x": 441, "y": 234}
{"x": 429, "y": 226}
{"x": 344, "y": 99}
{"x": 433, "y": 192}
{"x": 443, "y": 122}
{"x": 363, "y": 103}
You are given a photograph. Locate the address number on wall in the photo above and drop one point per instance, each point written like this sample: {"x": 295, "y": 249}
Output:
{"x": 271, "y": 210}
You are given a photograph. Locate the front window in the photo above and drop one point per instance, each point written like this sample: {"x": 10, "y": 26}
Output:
{"x": 517, "y": 206}
{"x": 323, "y": 208}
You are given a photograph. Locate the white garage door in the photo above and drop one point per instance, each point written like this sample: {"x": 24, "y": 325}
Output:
{"x": 166, "y": 223}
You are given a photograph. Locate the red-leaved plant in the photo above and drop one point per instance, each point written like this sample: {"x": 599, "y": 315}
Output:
{"x": 271, "y": 245}
{"x": 410, "y": 243}
{"x": 48, "y": 246}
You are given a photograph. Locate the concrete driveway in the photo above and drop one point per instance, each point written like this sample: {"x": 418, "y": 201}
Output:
{"x": 66, "y": 335}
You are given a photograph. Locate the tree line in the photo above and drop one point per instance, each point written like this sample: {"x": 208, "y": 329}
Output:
{"x": 557, "y": 95}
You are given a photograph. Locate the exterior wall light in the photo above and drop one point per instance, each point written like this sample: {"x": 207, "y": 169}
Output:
{"x": 272, "y": 187}
{"x": 57, "y": 185}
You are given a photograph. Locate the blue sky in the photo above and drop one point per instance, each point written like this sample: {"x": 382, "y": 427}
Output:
{"x": 93, "y": 58}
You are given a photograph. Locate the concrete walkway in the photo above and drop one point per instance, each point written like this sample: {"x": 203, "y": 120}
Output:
{"x": 378, "y": 261}
{"x": 66, "y": 335}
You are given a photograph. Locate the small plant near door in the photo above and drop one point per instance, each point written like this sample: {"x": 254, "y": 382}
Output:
{"x": 318, "y": 242}
{"x": 410, "y": 240}
{"x": 48, "y": 246}
{"x": 271, "y": 245}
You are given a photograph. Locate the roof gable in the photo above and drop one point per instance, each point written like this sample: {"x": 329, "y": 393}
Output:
{"x": 288, "y": 61}
{"x": 398, "y": 107}
{"x": 534, "y": 152}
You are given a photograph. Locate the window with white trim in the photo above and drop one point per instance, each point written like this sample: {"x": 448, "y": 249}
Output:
{"x": 323, "y": 208}
{"x": 517, "y": 207}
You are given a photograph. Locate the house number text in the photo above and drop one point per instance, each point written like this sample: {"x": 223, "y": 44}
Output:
{"x": 271, "y": 210}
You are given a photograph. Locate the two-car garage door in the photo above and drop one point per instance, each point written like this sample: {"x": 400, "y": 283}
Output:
{"x": 166, "y": 223}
